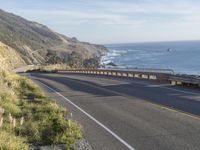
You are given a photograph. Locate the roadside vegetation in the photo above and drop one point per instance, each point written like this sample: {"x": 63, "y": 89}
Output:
{"x": 91, "y": 63}
{"x": 47, "y": 68}
{"x": 28, "y": 117}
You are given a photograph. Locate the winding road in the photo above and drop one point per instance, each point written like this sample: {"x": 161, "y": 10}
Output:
{"x": 126, "y": 114}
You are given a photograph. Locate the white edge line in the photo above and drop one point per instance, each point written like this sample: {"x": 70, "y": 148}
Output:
{"x": 162, "y": 87}
{"x": 91, "y": 117}
{"x": 182, "y": 91}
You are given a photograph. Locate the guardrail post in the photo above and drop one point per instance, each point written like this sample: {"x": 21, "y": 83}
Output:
{"x": 144, "y": 76}
{"x": 124, "y": 74}
{"x": 179, "y": 83}
{"x": 130, "y": 75}
{"x": 114, "y": 73}
{"x": 137, "y": 75}
{"x": 152, "y": 77}
{"x": 173, "y": 82}
{"x": 119, "y": 74}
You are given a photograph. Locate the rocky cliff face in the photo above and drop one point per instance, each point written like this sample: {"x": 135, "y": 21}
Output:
{"x": 37, "y": 44}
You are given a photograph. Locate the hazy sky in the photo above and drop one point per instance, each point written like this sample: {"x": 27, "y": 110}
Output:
{"x": 114, "y": 21}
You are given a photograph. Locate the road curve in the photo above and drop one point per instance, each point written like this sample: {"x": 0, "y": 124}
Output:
{"x": 120, "y": 114}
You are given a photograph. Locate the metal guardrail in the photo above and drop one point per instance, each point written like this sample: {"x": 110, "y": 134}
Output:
{"x": 168, "y": 71}
{"x": 185, "y": 79}
{"x": 140, "y": 74}
{"x": 150, "y": 74}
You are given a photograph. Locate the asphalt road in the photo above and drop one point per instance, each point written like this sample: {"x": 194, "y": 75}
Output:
{"x": 120, "y": 114}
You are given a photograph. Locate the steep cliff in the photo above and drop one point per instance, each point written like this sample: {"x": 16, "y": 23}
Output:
{"x": 37, "y": 44}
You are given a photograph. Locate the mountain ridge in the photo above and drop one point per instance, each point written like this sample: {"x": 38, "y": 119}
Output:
{"x": 38, "y": 44}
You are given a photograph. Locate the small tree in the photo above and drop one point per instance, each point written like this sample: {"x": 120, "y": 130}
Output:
{"x": 75, "y": 60}
{"x": 91, "y": 63}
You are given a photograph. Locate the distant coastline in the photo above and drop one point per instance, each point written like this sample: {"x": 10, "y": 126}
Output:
{"x": 155, "y": 55}
{"x": 151, "y": 42}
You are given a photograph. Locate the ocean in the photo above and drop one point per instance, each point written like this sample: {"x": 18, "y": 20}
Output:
{"x": 182, "y": 57}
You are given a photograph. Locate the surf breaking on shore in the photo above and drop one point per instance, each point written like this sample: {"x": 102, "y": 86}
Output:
{"x": 161, "y": 55}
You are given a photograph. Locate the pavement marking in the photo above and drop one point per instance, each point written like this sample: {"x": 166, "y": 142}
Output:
{"x": 152, "y": 103}
{"x": 183, "y": 113}
{"x": 182, "y": 91}
{"x": 157, "y": 86}
{"x": 163, "y": 87}
{"x": 128, "y": 96}
{"x": 91, "y": 117}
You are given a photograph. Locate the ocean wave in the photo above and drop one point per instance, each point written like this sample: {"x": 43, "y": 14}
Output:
{"x": 133, "y": 50}
{"x": 155, "y": 56}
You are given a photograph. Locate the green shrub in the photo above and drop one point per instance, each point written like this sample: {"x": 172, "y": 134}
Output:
{"x": 47, "y": 120}
{"x": 9, "y": 103}
{"x": 10, "y": 141}
{"x": 44, "y": 121}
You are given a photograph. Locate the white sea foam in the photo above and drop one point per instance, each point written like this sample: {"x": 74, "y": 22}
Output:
{"x": 155, "y": 55}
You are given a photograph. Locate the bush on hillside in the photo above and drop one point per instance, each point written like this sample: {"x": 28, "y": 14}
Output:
{"x": 91, "y": 63}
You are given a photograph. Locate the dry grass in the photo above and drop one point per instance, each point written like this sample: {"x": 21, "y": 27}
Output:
{"x": 44, "y": 121}
{"x": 48, "y": 68}
{"x": 12, "y": 142}
{"x": 9, "y": 58}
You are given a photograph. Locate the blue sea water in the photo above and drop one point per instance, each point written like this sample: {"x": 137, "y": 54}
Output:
{"x": 182, "y": 57}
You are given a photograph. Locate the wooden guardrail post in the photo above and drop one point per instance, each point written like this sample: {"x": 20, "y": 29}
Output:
{"x": 109, "y": 73}
{"x": 119, "y": 74}
{"x": 152, "y": 77}
{"x": 173, "y": 83}
{"x": 114, "y": 73}
{"x": 124, "y": 73}
{"x": 130, "y": 75}
{"x": 137, "y": 75}
{"x": 144, "y": 76}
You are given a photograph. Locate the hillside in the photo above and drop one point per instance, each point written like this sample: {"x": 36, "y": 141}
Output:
{"x": 9, "y": 58}
{"x": 22, "y": 123}
{"x": 37, "y": 44}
